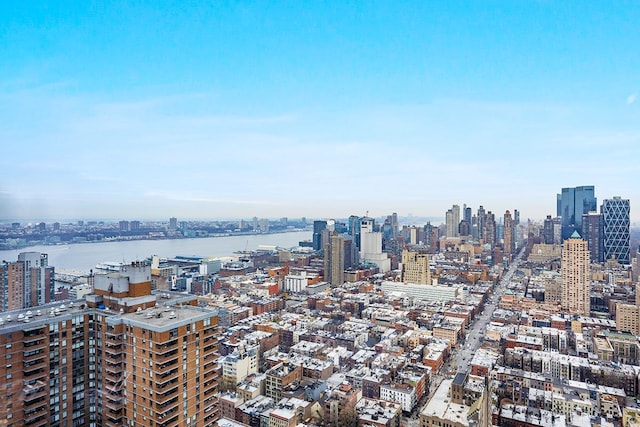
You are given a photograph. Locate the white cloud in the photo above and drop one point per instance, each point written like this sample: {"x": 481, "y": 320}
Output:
{"x": 632, "y": 98}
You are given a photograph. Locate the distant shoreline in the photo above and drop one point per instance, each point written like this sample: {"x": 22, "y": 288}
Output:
{"x": 35, "y": 243}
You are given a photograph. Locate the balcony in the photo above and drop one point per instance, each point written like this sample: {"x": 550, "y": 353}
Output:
{"x": 33, "y": 365}
{"x": 166, "y": 382}
{"x": 35, "y": 415}
{"x": 33, "y": 393}
{"x": 115, "y": 407}
{"x": 28, "y": 356}
{"x": 166, "y": 354}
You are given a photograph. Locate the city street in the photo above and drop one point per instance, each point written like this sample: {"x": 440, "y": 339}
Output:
{"x": 462, "y": 355}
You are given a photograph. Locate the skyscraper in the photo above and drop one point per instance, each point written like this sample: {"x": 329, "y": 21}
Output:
{"x": 509, "y": 233}
{"x": 575, "y": 273}
{"x": 334, "y": 260}
{"x": 615, "y": 217}
{"x": 452, "y": 220}
{"x": 572, "y": 203}
{"x": 547, "y": 231}
{"x": 593, "y": 232}
{"x": 481, "y": 220}
{"x": 490, "y": 228}
{"x": 318, "y": 227}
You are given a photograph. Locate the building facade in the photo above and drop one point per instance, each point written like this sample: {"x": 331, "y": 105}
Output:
{"x": 575, "y": 273}
{"x": 415, "y": 268}
{"x": 27, "y": 282}
{"x": 572, "y": 203}
{"x": 121, "y": 356}
{"x": 334, "y": 260}
{"x": 615, "y": 218}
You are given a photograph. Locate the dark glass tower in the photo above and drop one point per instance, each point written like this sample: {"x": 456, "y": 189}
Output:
{"x": 615, "y": 216}
{"x": 572, "y": 203}
{"x": 593, "y": 233}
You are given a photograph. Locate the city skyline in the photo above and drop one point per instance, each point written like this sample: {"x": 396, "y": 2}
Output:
{"x": 213, "y": 111}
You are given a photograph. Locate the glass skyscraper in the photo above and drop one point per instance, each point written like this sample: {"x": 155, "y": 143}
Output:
{"x": 572, "y": 203}
{"x": 615, "y": 216}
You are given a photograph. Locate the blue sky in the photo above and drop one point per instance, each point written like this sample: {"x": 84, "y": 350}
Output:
{"x": 318, "y": 109}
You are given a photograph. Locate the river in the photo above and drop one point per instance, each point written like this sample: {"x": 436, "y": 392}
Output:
{"x": 84, "y": 256}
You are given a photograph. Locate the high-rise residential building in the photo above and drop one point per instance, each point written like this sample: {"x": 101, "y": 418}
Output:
{"x": 481, "y": 220}
{"x": 490, "y": 228}
{"x": 509, "y": 234}
{"x": 318, "y": 227}
{"x": 27, "y": 282}
{"x": 122, "y": 356}
{"x": 593, "y": 233}
{"x": 415, "y": 268}
{"x": 449, "y": 223}
{"x": 576, "y": 277}
{"x": 124, "y": 225}
{"x": 452, "y": 220}
{"x": 615, "y": 217}
{"x": 334, "y": 260}
{"x": 547, "y": 231}
{"x": 572, "y": 203}
{"x": 173, "y": 223}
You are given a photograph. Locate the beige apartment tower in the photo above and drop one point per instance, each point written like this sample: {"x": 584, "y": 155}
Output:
{"x": 415, "y": 268}
{"x": 576, "y": 277}
{"x": 334, "y": 260}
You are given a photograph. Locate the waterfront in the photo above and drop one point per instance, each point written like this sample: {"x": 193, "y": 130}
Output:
{"x": 84, "y": 256}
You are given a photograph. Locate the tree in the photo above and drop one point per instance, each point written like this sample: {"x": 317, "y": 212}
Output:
{"x": 348, "y": 417}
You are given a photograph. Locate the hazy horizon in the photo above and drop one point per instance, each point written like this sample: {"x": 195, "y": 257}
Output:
{"x": 274, "y": 109}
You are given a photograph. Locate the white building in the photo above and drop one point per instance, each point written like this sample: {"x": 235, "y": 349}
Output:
{"x": 404, "y": 395}
{"x": 371, "y": 246}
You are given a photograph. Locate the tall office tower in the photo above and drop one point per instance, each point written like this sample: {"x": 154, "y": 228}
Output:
{"x": 415, "y": 268}
{"x": 516, "y": 217}
{"x": 371, "y": 246}
{"x": 547, "y": 231}
{"x": 354, "y": 229}
{"x": 334, "y": 260}
{"x": 28, "y": 282}
{"x": 557, "y": 230}
{"x": 615, "y": 216}
{"x": 467, "y": 215}
{"x": 572, "y": 203}
{"x": 509, "y": 233}
{"x": 318, "y": 227}
{"x": 351, "y": 253}
{"x": 481, "y": 220}
{"x": 394, "y": 224}
{"x": 173, "y": 223}
{"x": 593, "y": 233}
{"x": 430, "y": 235}
{"x": 489, "y": 232}
{"x": 464, "y": 229}
{"x": 575, "y": 273}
